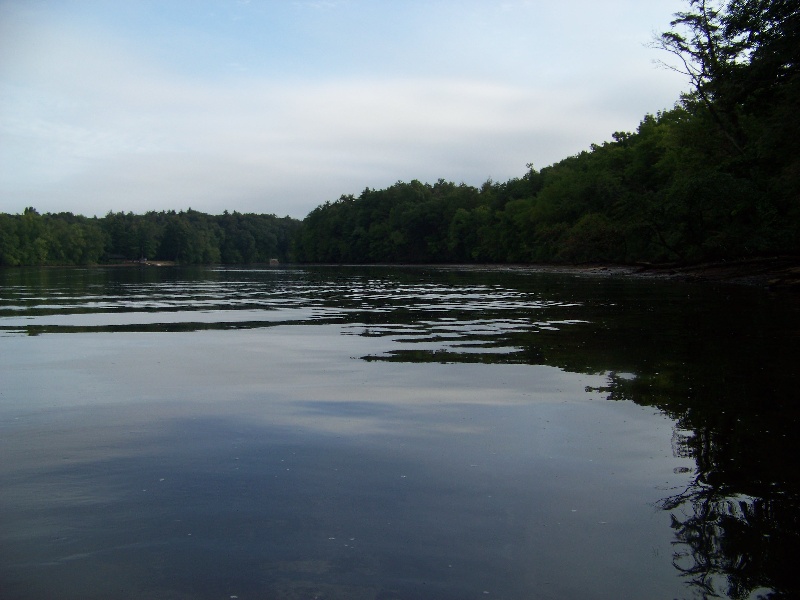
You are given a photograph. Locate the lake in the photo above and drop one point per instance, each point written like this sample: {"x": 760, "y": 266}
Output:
{"x": 392, "y": 433}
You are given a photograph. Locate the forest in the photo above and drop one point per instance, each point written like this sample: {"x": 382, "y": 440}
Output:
{"x": 716, "y": 177}
{"x": 186, "y": 237}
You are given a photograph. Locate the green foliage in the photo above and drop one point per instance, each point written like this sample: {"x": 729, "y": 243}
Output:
{"x": 187, "y": 237}
{"x": 34, "y": 239}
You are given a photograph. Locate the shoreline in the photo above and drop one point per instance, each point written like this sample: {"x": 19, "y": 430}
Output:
{"x": 780, "y": 272}
{"x": 773, "y": 273}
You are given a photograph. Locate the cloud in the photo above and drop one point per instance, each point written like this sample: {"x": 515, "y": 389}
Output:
{"x": 170, "y": 144}
{"x": 92, "y": 123}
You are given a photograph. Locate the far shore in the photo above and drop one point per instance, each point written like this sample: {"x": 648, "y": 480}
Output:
{"x": 779, "y": 272}
{"x": 140, "y": 263}
{"x": 776, "y": 273}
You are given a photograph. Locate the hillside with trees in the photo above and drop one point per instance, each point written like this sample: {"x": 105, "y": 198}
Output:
{"x": 716, "y": 177}
{"x": 188, "y": 237}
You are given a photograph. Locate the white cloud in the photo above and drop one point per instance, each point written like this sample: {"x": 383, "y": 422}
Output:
{"x": 93, "y": 124}
{"x": 168, "y": 144}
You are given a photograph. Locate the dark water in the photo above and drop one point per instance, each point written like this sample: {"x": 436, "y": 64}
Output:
{"x": 395, "y": 433}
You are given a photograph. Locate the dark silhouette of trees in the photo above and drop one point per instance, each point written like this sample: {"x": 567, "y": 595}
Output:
{"x": 189, "y": 237}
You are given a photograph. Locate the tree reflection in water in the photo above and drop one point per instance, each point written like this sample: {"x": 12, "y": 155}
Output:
{"x": 736, "y": 523}
{"x": 723, "y": 367}
{"x": 722, "y": 364}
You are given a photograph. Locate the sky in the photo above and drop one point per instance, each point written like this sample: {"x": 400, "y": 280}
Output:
{"x": 279, "y": 106}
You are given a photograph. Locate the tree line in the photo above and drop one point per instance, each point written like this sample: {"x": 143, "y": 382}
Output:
{"x": 186, "y": 237}
{"x": 715, "y": 177}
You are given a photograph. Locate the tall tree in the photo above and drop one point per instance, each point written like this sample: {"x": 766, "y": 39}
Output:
{"x": 735, "y": 53}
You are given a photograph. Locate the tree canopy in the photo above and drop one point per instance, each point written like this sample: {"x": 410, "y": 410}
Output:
{"x": 189, "y": 237}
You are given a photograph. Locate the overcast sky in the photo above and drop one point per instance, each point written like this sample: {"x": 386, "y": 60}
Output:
{"x": 278, "y": 106}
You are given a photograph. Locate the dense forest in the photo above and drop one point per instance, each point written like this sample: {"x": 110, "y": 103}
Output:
{"x": 188, "y": 237}
{"x": 715, "y": 177}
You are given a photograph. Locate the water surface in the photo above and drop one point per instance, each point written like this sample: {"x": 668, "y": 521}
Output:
{"x": 394, "y": 433}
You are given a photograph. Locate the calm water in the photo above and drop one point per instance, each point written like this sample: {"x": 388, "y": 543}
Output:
{"x": 407, "y": 433}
